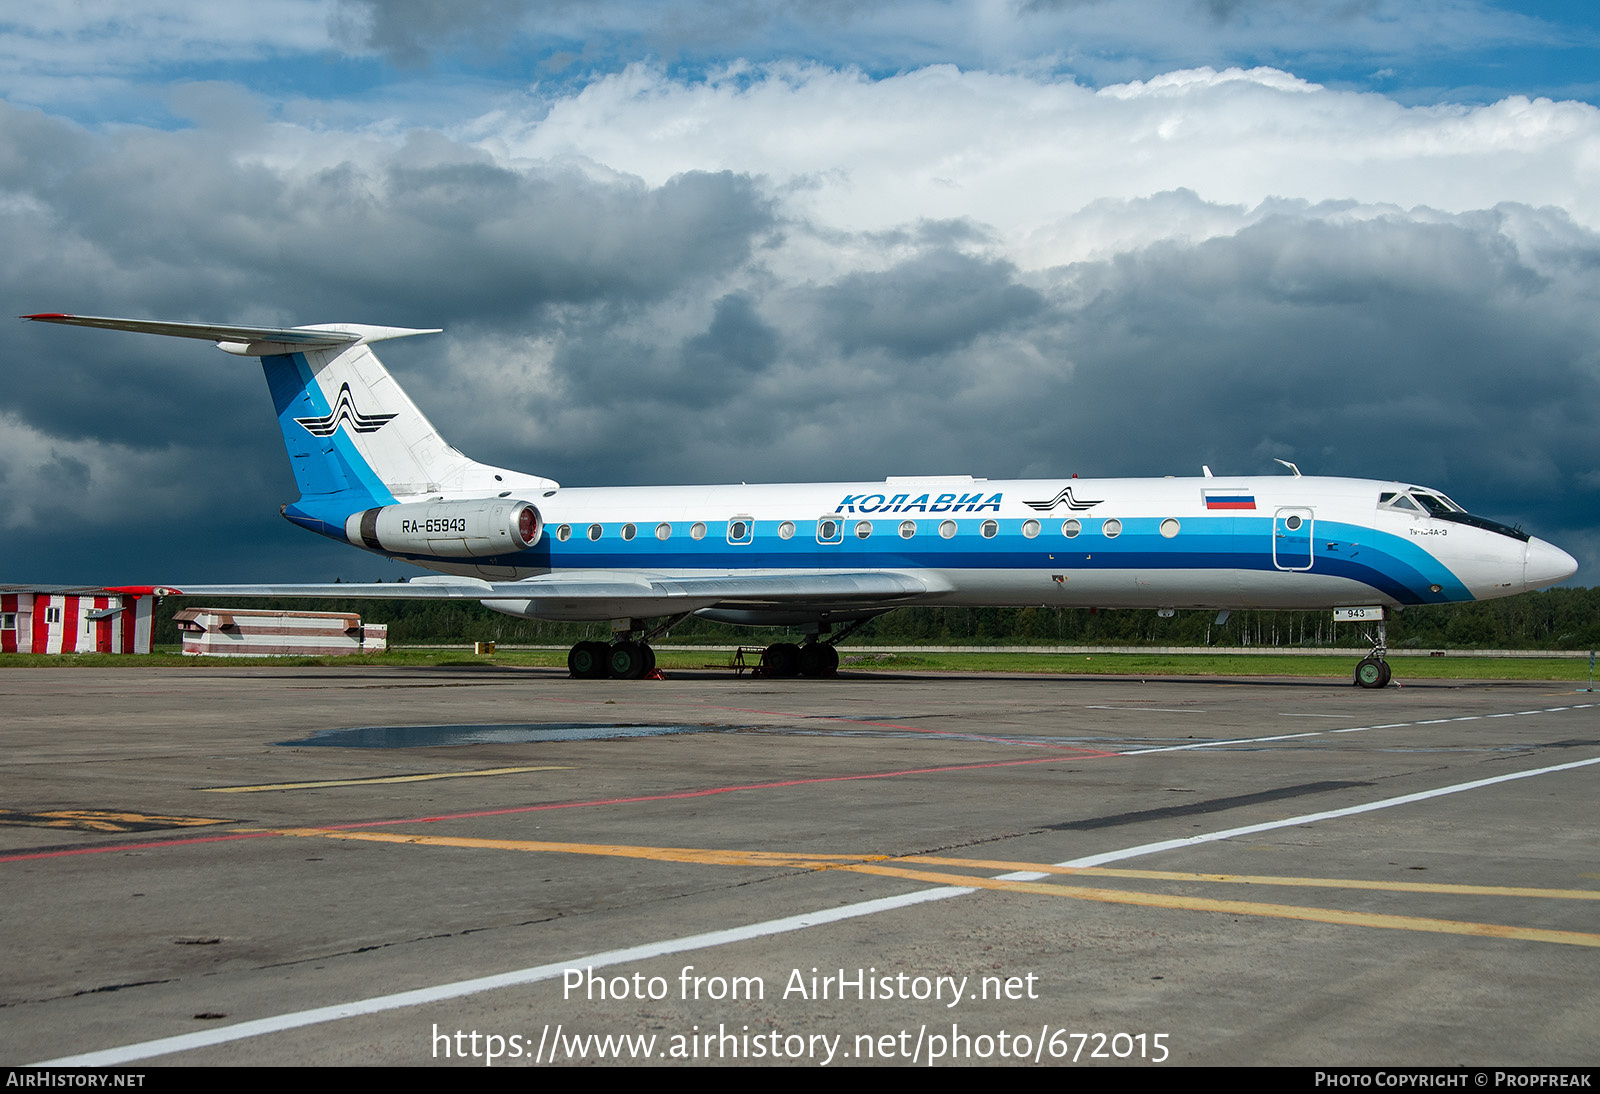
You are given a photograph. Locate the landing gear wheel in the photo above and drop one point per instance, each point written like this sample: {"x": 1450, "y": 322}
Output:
{"x": 781, "y": 659}
{"x": 1373, "y": 673}
{"x": 587, "y": 660}
{"x": 627, "y": 660}
{"x": 649, "y": 658}
{"x": 818, "y": 659}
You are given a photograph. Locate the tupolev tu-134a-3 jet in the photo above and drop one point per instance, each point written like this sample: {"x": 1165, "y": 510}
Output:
{"x": 826, "y": 557}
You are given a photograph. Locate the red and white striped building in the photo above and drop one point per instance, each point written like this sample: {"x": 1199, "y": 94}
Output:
{"x": 74, "y": 619}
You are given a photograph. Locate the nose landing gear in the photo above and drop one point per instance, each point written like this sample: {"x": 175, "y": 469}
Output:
{"x": 1373, "y": 670}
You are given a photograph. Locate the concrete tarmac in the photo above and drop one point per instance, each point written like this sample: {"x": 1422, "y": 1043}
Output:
{"x": 968, "y": 869}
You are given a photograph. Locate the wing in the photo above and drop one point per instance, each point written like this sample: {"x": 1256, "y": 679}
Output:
{"x": 616, "y": 595}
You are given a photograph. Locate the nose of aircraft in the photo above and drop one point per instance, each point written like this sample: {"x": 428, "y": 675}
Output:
{"x": 1545, "y": 564}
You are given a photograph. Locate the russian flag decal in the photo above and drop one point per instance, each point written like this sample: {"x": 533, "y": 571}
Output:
{"x": 1229, "y": 501}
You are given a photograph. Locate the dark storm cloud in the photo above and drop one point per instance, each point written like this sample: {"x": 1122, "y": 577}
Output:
{"x": 934, "y": 303}
{"x": 191, "y": 225}
{"x": 1432, "y": 349}
{"x": 178, "y": 225}
{"x": 736, "y": 344}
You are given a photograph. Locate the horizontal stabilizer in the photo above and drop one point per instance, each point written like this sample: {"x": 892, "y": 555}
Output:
{"x": 257, "y": 340}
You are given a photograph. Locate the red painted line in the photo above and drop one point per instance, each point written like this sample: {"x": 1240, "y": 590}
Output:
{"x": 694, "y": 793}
{"x": 152, "y": 846}
{"x": 675, "y": 796}
{"x": 703, "y": 793}
{"x": 912, "y": 729}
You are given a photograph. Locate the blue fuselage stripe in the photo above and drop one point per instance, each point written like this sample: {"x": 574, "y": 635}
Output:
{"x": 1390, "y": 565}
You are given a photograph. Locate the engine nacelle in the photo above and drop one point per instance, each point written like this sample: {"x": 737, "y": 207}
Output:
{"x": 448, "y": 529}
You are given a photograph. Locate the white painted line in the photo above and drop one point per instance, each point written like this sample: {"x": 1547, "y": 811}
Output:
{"x": 113, "y": 1057}
{"x": 1154, "y": 710}
{"x": 143, "y": 1050}
{"x": 1291, "y": 822}
{"x": 1331, "y": 814}
{"x": 1218, "y": 744}
{"x": 1320, "y": 732}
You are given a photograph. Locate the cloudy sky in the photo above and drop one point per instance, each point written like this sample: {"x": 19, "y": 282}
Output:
{"x": 803, "y": 240}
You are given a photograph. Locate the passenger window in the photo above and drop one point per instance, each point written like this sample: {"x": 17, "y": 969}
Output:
{"x": 829, "y": 530}
{"x": 908, "y": 528}
{"x": 1112, "y": 528}
{"x": 663, "y": 531}
{"x": 594, "y": 531}
{"x": 629, "y": 531}
{"x": 786, "y": 530}
{"x": 863, "y": 529}
{"x": 698, "y": 530}
{"x": 990, "y": 529}
{"x": 564, "y": 533}
{"x": 741, "y": 530}
{"x": 1030, "y": 528}
{"x": 947, "y": 529}
{"x": 1169, "y": 527}
{"x": 1070, "y": 528}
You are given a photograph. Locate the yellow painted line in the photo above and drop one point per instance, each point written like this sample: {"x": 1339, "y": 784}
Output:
{"x": 1258, "y": 879}
{"x": 98, "y": 820}
{"x": 1241, "y": 907}
{"x": 699, "y": 855}
{"x": 378, "y": 779}
{"x": 883, "y": 866}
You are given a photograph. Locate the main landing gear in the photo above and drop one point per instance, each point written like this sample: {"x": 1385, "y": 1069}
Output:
{"x": 812, "y": 659}
{"x": 630, "y": 657}
{"x": 1373, "y": 670}
{"x": 623, "y": 660}
{"x": 817, "y": 656}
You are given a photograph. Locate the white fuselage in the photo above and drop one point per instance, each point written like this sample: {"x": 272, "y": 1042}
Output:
{"x": 1269, "y": 542}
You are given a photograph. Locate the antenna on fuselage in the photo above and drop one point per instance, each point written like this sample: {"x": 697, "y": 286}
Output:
{"x": 1207, "y": 470}
{"x": 1289, "y": 465}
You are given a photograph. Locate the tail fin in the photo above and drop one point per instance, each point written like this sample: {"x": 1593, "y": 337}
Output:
{"x": 355, "y": 440}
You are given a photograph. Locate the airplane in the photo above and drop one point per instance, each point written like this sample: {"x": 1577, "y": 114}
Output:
{"x": 826, "y": 558}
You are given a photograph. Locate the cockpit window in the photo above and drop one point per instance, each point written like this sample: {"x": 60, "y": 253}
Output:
{"x": 1439, "y": 507}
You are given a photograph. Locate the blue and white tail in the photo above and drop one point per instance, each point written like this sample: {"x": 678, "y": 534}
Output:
{"x": 355, "y": 440}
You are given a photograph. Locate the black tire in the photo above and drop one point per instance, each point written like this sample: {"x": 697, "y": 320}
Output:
{"x": 1372, "y": 673}
{"x": 1388, "y": 674}
{"x": 626, "y": 660}
{"x": 649, "y": 658}
{"x": 811, "y": 659}
{"x": 818, "y": 659}
{"x": 587, "y": 660}
{"x": 781, "y": 659}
